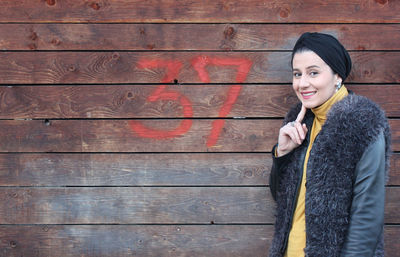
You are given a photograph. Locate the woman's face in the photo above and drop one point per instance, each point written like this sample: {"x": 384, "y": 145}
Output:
{"x": 313, "y": 80}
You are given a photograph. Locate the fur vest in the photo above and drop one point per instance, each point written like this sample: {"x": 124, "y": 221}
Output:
{"x": 352, "y": 125}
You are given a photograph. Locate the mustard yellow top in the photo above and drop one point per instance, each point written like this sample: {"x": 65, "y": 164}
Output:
{"x": 297, "y": 236}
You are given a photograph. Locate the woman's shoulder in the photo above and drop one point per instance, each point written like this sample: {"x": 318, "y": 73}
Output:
{"x": 357, "y": 108}
{"x": 357, "y": 115}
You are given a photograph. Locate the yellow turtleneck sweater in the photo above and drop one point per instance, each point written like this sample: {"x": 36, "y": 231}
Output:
{"x": 297, "y": 236}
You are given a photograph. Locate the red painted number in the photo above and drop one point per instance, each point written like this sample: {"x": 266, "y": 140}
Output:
{"x": 173, "y": 68}
{"x": 161, "y": 93}
{"x": 243, "y": 67}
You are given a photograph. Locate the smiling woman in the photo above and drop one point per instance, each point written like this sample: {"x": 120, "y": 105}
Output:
{"x": 329, "y": 166}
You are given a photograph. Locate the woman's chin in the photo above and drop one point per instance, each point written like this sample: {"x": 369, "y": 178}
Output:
{"x": 308, "y": 104}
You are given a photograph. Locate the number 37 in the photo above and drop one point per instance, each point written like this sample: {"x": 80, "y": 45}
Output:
{"x": 173, "y": 68}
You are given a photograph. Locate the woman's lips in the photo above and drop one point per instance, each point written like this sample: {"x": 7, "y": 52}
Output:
{"x": 308, "y": 94}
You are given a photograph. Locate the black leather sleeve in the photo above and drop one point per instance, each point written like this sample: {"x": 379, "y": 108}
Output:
{"x": 367, "y": 210}
{"x": 274, "y": 177}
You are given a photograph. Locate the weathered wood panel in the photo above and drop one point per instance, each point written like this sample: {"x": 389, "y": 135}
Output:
{"x": 128, "y": 136}
{"x": 222, "y": 169}
{"x": 150, "y": 170}
{"x": 134, "y": 169}
{"x": 144, "y": 205}
{"x": 125, "y": 240}
{"x": 148, "y": 205}
{"x": 392, "y": 214}
{"x": 118, "y": 240}
{"x": 132, "y": 101}
{"x": 156, "y": 240}
{"x": 187, "y": 135}
{"x": 152, "y": 37}
{"x": 141, "y": 67}
{"x": 253, "y": 11}
{"x": 394, "y": 173}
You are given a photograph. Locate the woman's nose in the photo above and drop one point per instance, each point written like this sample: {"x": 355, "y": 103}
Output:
{"x": 303, "y": 82}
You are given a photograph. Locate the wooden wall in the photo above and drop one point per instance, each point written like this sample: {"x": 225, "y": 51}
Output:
{"x": 144, "y": 128}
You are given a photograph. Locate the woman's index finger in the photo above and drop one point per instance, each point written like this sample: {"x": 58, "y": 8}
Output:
{"x": 301, "y": 114}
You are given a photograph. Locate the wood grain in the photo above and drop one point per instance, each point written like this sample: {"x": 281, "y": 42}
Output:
{"x": 131, "y": 101}
{"x": 394, "y": 173}
{"x": 222, "y": 169}
{"x": 123, "y": 67}
{"x": 253, "y": 11}
{"x": 245, "y": 135}
{"x": 134, "y": 169}
{"x": 150, "y": 37}
{"x": 156, "y": 240}
{"x": 138, "y": 205}
{"x": 117, "y": 136}
{"x": 136, "y": 240}
{"x": 148, "y": 205}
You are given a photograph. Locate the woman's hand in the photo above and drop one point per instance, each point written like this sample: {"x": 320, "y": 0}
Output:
{"x": 292, "y": 134}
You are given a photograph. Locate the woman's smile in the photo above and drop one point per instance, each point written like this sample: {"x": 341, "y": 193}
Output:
{"x": 308, "y": 94}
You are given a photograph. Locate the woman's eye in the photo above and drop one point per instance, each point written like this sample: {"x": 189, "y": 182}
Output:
{"x": 296, "y": 74}
{"x": 313, "y": 73}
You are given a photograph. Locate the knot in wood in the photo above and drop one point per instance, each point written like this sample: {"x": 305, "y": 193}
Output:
{"x": 51, "y": 2}
{"x": 381, "y": 1}
{"x": 33, "y": 36}
{"x": 95, "y": 6}
{"x": 284, "y": 12}
{"x": 13, "y": 244}
{"x": 115, "y": 56}
{"x": 229, "y": 33}
{"x": 55, "y": 41}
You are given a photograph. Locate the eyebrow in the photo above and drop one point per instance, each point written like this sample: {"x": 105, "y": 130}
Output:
{"x": 309, "y": 67}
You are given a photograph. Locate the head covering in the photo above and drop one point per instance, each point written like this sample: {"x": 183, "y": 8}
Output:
{"x": 328, "y": 48}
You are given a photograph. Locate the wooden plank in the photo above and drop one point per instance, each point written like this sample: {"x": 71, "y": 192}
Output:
{"x": 392, "y": 235}
{"x": 222, "y": 169}
{"x": 142, "y": 67}
{"x": 386, "y": 96}
{"x": 138, "y": 205}
{"x": 132, "y": 101}
{"x": 120, "y": 240}
{"x": 157, "y": 240}
{"x": 129, "y": 136}
{"x": 252, "y": 11}
{"x": 148, "y": 205}
{"x": 186, "y": 135}
{"x": 394, "y": 174}
{"x": 392, "y": 200}
{"x": 134, "y": 169}
{"x": 190, "y": 36}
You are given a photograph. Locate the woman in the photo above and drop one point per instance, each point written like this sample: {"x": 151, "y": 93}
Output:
{"x": 330, "y": 164}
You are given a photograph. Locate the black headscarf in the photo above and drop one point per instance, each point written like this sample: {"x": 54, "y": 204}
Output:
{"x": 329, "y": 49}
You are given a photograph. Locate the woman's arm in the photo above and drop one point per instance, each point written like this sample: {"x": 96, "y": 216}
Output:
{"x": 274, "y": 177}
{"x": 367, "y": 210}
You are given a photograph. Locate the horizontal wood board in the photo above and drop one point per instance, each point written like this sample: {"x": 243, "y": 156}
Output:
{"x": 189, "y": 135}
{"x": 252, "y": 11}
{"x": 148, "y": 205}
{"x": 189, "y": 37}
{"x": 184, "y": 67}
{"x": 150, "y": 169}
{"x": 132, "y": 101}
{"x": 142, "y": 240}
